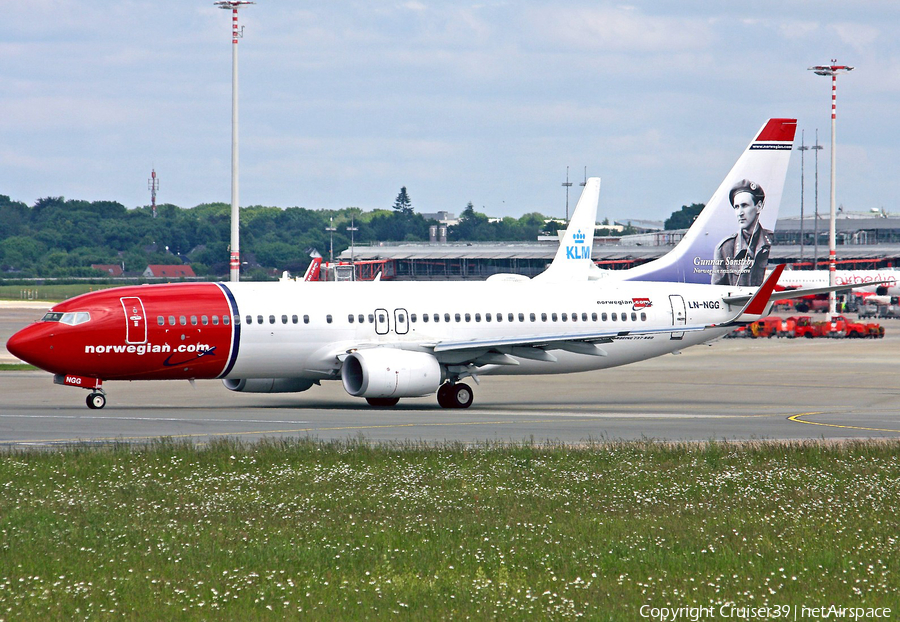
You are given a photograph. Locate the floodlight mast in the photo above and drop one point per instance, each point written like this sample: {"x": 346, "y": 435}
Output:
{"x": 832, "y": 70}
{"x": 235, "y": 261}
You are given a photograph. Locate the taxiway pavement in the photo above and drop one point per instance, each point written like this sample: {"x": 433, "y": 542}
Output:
{"x": 735, "y": 389}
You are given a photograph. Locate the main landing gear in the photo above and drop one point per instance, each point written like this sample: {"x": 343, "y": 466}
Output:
{"x": 455, "y": 395}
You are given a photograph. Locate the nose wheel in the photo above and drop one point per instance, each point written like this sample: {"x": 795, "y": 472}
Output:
{"x": 96, "y": 401}
{"x": 455, "y": 395}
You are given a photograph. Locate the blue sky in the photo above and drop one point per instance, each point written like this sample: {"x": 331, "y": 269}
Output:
{"x": 342, "y": 103}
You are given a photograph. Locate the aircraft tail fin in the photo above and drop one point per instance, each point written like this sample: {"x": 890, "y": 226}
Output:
{"x": 573, "y": 258}
{"x": 729, "y": 242}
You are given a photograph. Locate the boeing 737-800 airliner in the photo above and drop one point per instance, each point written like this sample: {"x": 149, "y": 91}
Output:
{"x": 390, "y": 340}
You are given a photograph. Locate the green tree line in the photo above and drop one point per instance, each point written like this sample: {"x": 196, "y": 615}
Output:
{"x": 57, "y": 237}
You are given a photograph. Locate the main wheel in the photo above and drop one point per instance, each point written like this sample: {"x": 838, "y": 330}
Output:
{"x": 382, "y": 401}
{"x": 443, "y": 395}
{"x": 461, "y": 395}
{"x": 96, "y": 400}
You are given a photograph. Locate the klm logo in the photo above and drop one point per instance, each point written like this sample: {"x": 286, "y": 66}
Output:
{"x": 578, "y": 250}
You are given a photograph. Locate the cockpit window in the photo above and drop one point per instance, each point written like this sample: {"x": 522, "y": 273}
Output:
{"x": 75, "y": 318}
{"x": 52, "y": 316}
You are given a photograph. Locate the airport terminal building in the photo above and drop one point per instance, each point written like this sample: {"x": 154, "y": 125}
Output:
{"x": 863, "y": 242}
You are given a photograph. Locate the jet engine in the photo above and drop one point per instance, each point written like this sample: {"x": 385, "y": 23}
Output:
{"x": 268, "y": 385}
{"x": 388, "y": 372}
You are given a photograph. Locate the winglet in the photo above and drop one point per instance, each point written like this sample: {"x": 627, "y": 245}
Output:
{"x": 757, "y": 305}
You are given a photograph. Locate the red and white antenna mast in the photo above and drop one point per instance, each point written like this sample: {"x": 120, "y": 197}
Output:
{"x": 235, "y": 262}
{"x": 153, "y": 186}
{"x": 832, "y": 70}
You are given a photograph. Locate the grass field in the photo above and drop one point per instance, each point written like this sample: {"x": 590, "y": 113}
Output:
{"x": 357, "y": 531}
{"x": 50, "y": 293}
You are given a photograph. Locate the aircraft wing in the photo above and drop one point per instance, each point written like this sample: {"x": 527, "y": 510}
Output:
{"x": 790, "y": 294}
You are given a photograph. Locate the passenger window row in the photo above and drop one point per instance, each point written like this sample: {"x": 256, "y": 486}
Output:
{"x": 361, "y": 318}
{"x": 195, "y": 320}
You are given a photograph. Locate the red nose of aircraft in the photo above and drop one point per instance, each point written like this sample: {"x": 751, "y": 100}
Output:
{"x": 33, "y": 345}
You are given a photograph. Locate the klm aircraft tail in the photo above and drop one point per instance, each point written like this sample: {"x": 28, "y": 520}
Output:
{"x": 729, "y": 242}
{"x": 573, "y": 258}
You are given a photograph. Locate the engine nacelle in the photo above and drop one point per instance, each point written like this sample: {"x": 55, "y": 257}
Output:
{"x": 268, "y": 385}
{"x": 388, "y": 372}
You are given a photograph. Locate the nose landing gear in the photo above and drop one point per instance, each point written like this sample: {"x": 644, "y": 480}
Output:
{"x": 96, "y": 400}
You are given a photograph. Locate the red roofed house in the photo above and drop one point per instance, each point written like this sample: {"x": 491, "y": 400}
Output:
{"x": 110, "y": 269}
{"x": 172, "y": 272}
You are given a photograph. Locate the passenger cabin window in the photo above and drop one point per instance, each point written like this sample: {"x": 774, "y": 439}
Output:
{"x": 487, "y": 317}
{"x": 447, "y": 317}
{"x": 284, "y": 319}
{"x": 182, "y": 320}
{"x": 613, "y": 316}
{"x": 328, "y": 318}
{"x": 412, "y": 317}
{"x": 565, "y": 317}
{"x": 193, "y": 320}
{"x": 361, "y": 318}
{"x": 468, "y": 317}
{"x": 350, "y": 318}
{"x": 554, "y": 317}
{"x": 499, "y": 317}
{"x": 271, "y": 319}
{"x": 584, "y": 317}
{"x": 294, "y": 319}
{"x": 643, "y": 316}
{"x": 371, "y": 318}
{"x": 215, "y": 319}
{"x": 171, "y": 320}
{"x": 306, "y": 319}
{"x": 633, "y": 316}
{"x": 532, "y": 317}
{"x": 456, "y": 317}
{"x": 259, "y": 319}
{"x": 603, "y": 317}
{"x": 477, "y": 317}
{"x": 521, "y": 317}
{"x": 593, "y": 317}
{"x": 543, "y": 317}
{"x": 160, "y": 320}
{"x": 249, "y": 319}
{"x": 204, "y": 320}
{"x": 425, "y": 317}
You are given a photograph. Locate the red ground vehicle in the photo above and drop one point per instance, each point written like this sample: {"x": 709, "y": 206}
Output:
{"x": 841, "y": 326}
{"x": 769, "y": 327}
{"x": 802, "y": 326}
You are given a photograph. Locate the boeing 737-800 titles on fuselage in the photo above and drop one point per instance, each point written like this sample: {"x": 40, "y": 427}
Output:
{"x": 389, "y": 340}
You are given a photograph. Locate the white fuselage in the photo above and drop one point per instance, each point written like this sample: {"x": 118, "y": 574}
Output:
{"x": 304, "y": 327}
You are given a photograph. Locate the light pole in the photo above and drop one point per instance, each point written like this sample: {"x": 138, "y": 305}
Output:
{"x": 817, "y": 148}
{"x": 567, "y": 184}
{"x": 235, "y": 263}
{"x": 802, "y": 149}
{"x": 331, "y": 230}
{"x": 352, "y": 229}
{"x": 832, "y": 70}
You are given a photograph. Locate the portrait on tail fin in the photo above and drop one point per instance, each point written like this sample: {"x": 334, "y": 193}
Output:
{"x": 741, "y": 258}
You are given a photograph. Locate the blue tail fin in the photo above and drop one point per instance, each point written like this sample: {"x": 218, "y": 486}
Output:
{"x": 729, "y": 242}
